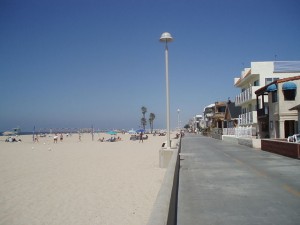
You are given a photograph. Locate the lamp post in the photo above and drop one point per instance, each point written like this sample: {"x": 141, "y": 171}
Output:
{"x": 178, "y": 111}
{"x": 165, "y": 38}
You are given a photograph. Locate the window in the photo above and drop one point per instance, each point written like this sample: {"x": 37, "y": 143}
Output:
{"x": 289, "y": 95}
{"x": 256, "y": 83}
{"x": 289, "y": 91}
{"x": 274, "y": 96}
{"x": 270, "y": 80}
{"x": 222, "y": 109}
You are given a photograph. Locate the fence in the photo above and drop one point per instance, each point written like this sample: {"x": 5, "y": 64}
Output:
{"x": 238, "y": 131}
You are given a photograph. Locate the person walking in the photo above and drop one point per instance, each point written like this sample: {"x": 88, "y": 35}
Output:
{"x": 141, "y": 137}
{"x": 55, "y": 138}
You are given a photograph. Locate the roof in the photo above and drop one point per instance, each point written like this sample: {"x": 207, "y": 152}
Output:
{"x": 232, "y": 111}
{"x": 264, "y": 89}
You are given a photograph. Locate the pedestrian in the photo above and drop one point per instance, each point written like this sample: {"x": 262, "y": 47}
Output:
{"x": 36, "y": 139}
{"x": 141, "y": 137}
{"x": 55, "y": 138}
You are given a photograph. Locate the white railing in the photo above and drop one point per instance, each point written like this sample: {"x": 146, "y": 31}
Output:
{"x": 248, "y": 118}
{"x": 238, "y": 131}
{"x": 246, "y": 95}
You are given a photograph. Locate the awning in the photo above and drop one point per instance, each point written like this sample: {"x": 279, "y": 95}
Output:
{"x": 272, "y": 88}
{"x": 289, "y": 86}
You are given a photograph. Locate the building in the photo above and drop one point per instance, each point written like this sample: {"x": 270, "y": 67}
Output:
{"x": 208, "y": 113}
{"x": 260, "y": 74}
{"x": 279, "y": 116}
{"x": 219, "y": 115}
{"x": 232, "y": 113}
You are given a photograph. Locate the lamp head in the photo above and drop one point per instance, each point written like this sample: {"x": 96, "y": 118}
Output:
{"x": 166, "y": 37}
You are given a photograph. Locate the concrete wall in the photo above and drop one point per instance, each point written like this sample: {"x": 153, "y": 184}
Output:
{"x": 230, "y": 139}
{"x": 164, "y": 210}
{"x": 216, "y": 136}
{"x": 252, "y": 143}
{"x": 281, "y": 147}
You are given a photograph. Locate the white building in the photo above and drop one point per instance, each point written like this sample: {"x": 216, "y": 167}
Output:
{"x": 257, "y": 76}
{"x": 208, "y": 113}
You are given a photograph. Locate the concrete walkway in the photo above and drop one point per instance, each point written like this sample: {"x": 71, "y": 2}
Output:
{"x": 226, "y": 184}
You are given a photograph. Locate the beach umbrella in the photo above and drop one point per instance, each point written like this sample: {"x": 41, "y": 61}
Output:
{"x": 140, "y": 131}
{"x": 111, "y": 132}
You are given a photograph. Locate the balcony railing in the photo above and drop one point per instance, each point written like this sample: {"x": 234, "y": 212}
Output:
{"x": 246, "y": 95}
{"x": 248, "y": 118}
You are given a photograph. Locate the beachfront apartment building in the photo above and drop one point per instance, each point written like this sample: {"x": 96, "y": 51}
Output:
{"x": 208, "y": 113}
{"x": 282, "y": 117}
{"x": 220, "y": 115}
{"x": 258, "y": 75}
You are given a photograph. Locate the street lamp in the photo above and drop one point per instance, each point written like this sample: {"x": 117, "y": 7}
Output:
{"x": 165, "y": 38}
{"x": 178, "y": 111}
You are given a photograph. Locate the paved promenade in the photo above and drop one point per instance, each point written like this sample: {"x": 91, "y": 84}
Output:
{"x": 227, "y": 184}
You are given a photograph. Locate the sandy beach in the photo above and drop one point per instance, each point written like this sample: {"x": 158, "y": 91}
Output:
{"x": 79, "y": 183}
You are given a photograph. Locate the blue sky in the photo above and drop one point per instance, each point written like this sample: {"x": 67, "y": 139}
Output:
{"x": 77, "y": 63}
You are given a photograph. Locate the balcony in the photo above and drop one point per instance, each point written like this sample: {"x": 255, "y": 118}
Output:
{"x": 219, "y": 115}
{"x": 247, "y": 95}
{"x": 263, "y": 112}
{"x": 247, "y": 119}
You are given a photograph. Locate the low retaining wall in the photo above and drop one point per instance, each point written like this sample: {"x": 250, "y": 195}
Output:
{"x": 164, "y": 210}
{"x": 231, "y": 139}
{"x": 250, "y": 142}
{"x": 288, "y": 149}
{"x": 217, "y": 136}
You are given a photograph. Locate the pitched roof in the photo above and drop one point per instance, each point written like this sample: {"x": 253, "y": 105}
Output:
{"x": 232, "y": 111}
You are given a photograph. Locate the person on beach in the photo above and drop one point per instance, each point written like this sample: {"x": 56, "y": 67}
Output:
{"x": 36, "y": 139}
{"x": 55, "y": 138}
{"x": 61, "y": 137}
{"x": 101, "y": 139}
{"x": 141, "y": 137}
{"x": 79, "y": 137}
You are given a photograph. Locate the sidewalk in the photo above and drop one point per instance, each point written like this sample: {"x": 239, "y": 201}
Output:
{"x": 227, "y": 184}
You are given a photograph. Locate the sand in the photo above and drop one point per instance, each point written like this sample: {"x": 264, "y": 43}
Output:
{"x": 79, "y": 183}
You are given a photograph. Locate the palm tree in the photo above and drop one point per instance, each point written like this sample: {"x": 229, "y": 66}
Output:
{"x": 143, "y": 120}
{"x": 151, "y": 119}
